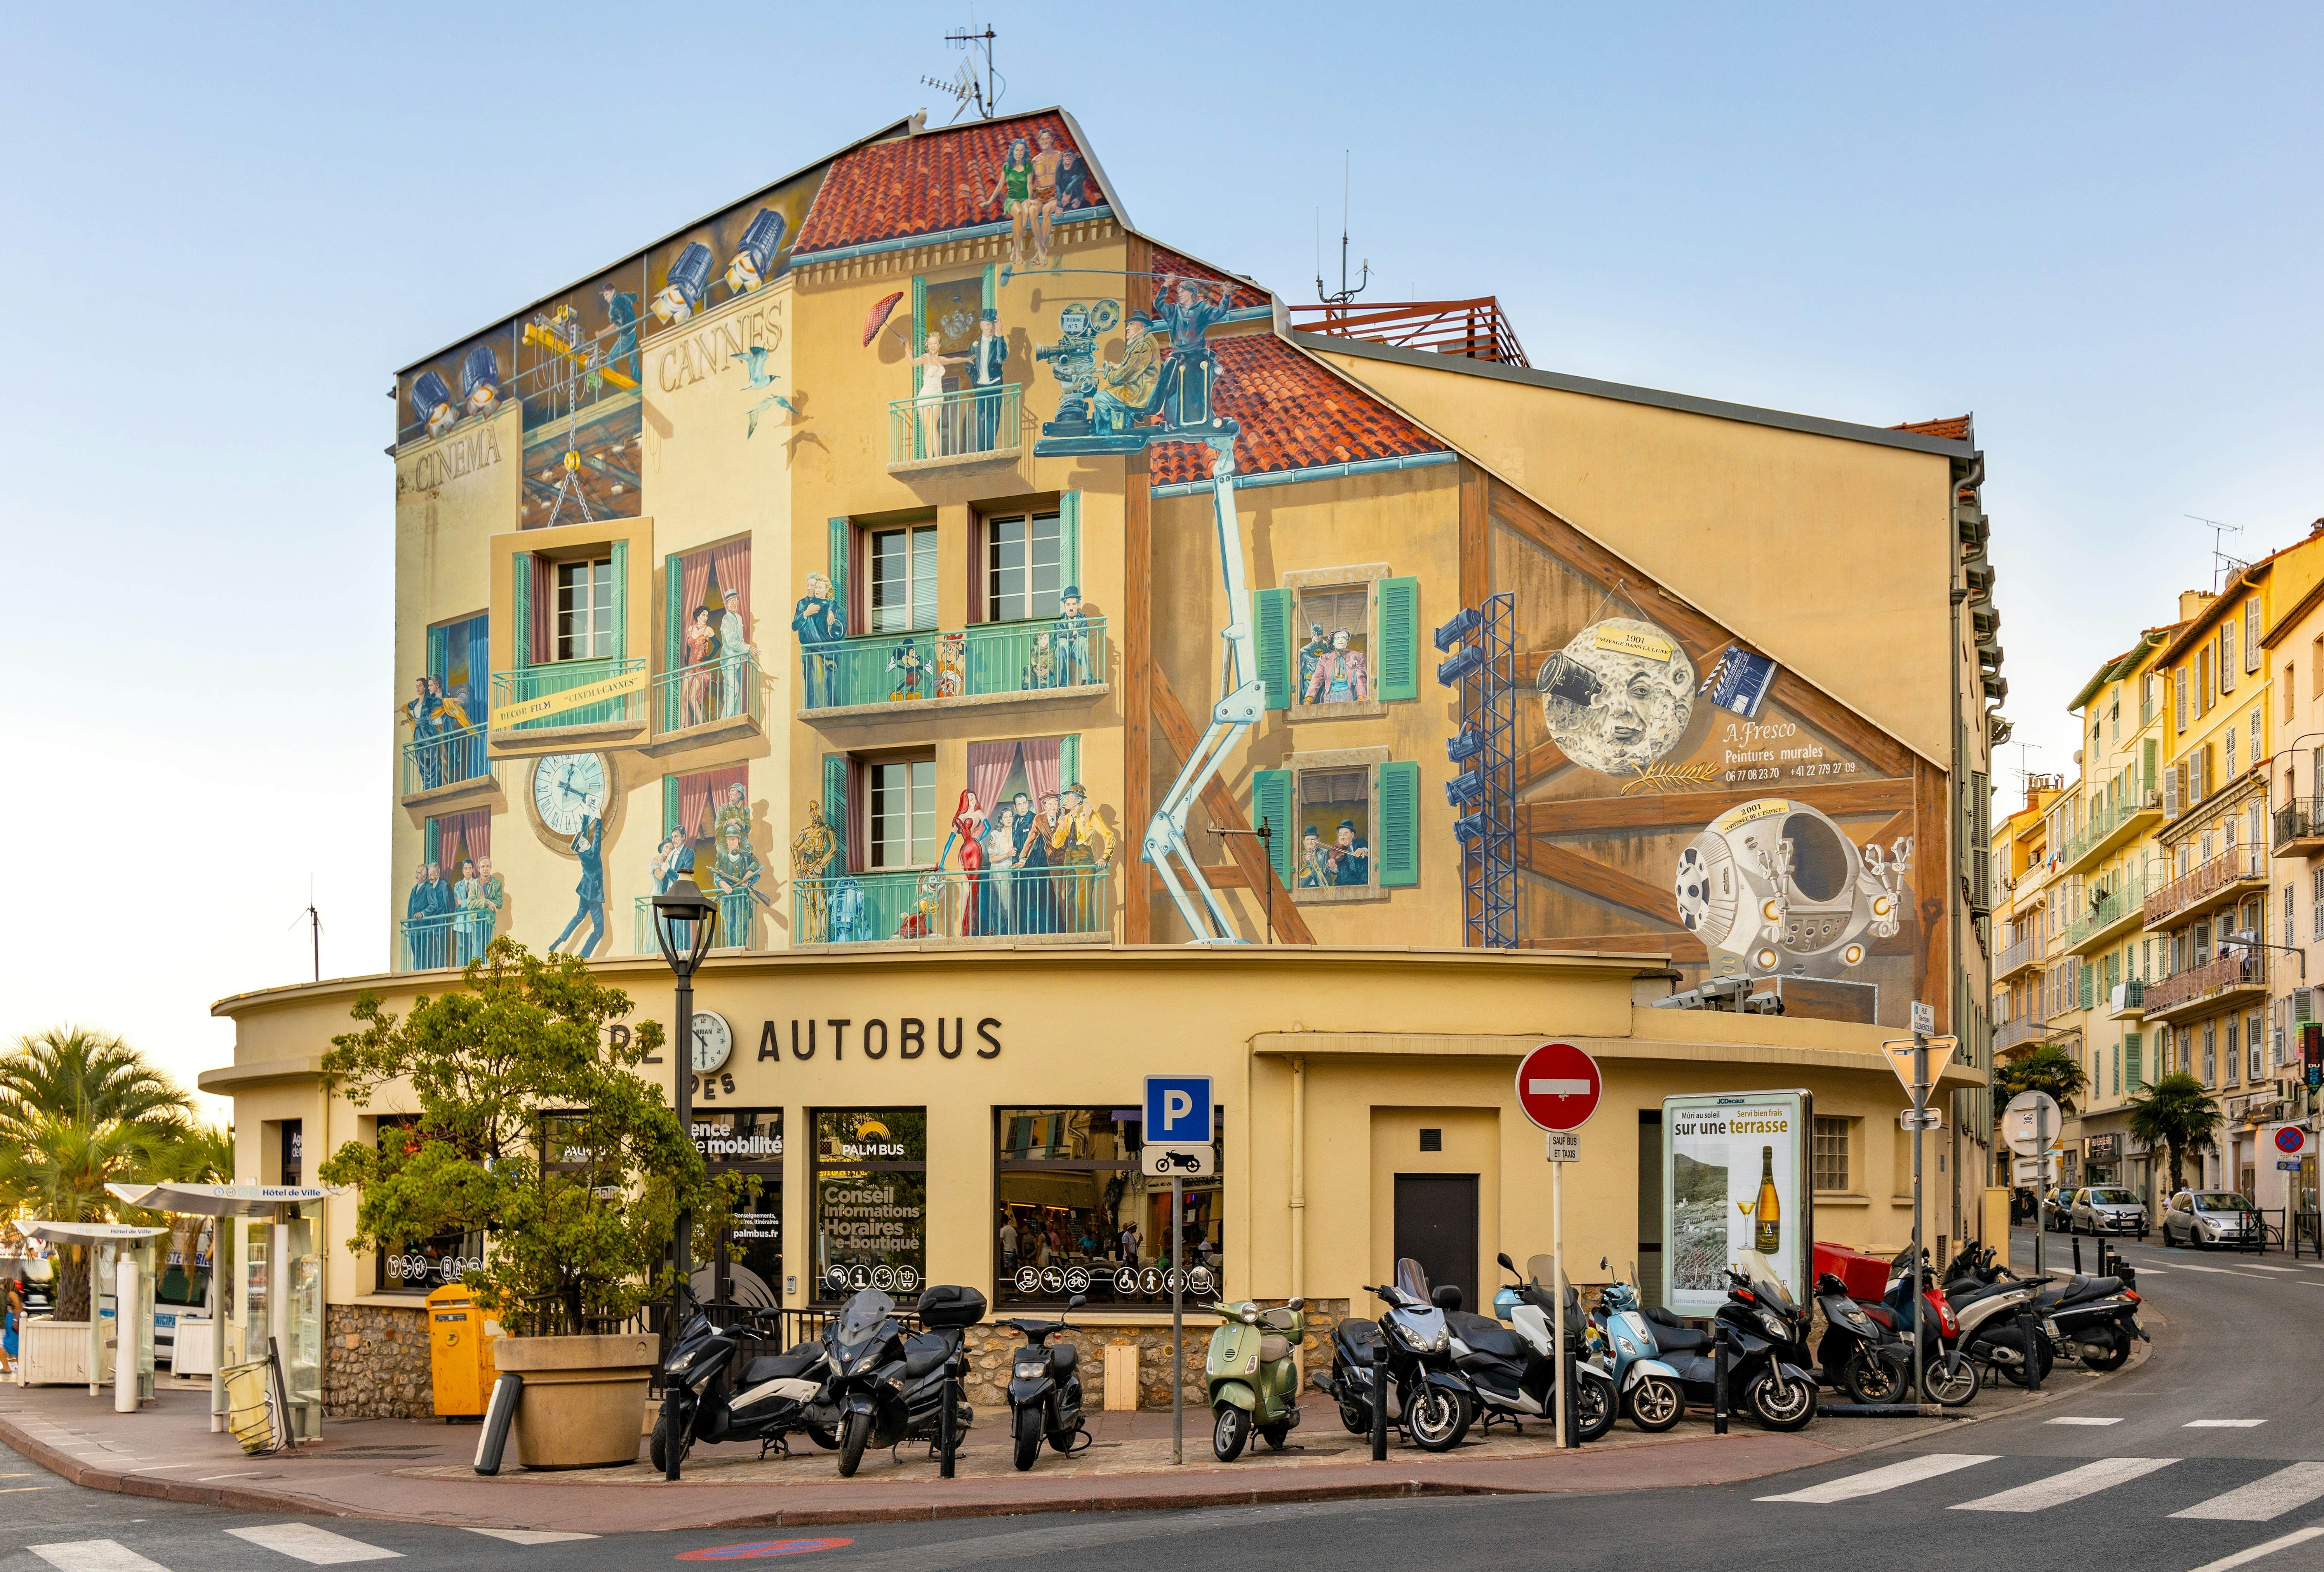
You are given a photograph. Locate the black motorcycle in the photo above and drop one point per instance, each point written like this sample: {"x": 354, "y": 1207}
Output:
{"x": 891, "y": 1386}
{"x": 1512, "y": 1368}
{"x": 1869, "y": 1360}
{"x": 703, "y": 1400}
{"x": 1767, "y": 1363}
{"x": 1427, "y": 1396}
{"x": 1045, "y": 1390}
{"x": 2090, "y": 1318}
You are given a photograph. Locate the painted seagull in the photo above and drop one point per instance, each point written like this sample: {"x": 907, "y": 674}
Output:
{"x": 754, "y": 361}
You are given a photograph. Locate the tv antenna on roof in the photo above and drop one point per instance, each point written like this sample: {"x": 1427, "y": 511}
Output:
{"x": 1346, "y": 291}
{"x": 972, "y": 88}
{"x": 2025, "y": 764}
{"x": 2222, "y": 563}
{"x": 314, "y": 919}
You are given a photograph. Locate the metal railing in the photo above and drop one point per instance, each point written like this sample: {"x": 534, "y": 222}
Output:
{"x": 970, "y": 423}
{"x": 992, "y": 657}
{"x": 2025, "y": 952}
{"x": 2232, "y": 972}
{"x": 736, "y": 919}
{"x": 1478, "y": 329}
{"x": 2300, "y": 819}
{"x": 2132, "y": 999}
{"x": 445, "y": 939}
{"x": 2109, "y": 905}
{"x": 706, "y": 693}
{"x": 446, "y": 758}
{"x": 2231, "y": 866}
{"x": 907, "y": 904}
{"x": 530, "y": 682}
{"x": 2010, "y": 1033}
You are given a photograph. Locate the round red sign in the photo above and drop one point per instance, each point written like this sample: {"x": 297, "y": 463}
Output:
{"x": 2289, "y": 1139}
{"x": 1558, "y": 1086}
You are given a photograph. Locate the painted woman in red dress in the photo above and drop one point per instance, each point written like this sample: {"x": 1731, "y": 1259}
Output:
{"x": 968, "y": 827}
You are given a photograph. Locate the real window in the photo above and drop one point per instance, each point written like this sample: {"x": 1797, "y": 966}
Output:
{"x": 1079, "y": 1212}
{"x": 744, "y": 1264}
{"x": 1024, "y": 559}
{"x": 901, "y": 813}
{"x": 420, "y": 1266}
{"x": 871, "y": 1201}
{"x": 1831, "y": 1156}
{"x": 902, "y": 575}
{"x": 585, "y": 610}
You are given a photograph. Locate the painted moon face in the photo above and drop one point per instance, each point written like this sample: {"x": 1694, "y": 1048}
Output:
{"x": 1619, "y": 696}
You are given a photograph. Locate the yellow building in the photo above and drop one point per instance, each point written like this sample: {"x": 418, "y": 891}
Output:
{"x": 875, "y": 553}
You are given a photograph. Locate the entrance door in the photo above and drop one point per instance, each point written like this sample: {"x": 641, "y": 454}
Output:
{"x": 1437, "y": 1226}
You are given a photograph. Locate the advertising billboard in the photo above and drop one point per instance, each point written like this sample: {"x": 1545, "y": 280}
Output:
{"x": 1735, "y": 1178}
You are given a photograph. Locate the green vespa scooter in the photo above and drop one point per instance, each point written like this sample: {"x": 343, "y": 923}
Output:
{"x": 1254, "y": 1379}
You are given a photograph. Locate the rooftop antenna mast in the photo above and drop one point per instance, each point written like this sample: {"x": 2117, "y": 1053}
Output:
{"x": 2025, "y": 764}
{"x": 314, "y": 919}
{"x": 1346, "y": 291}
{"x": 2222, "y": 563}
{"x": 972, "y": 88}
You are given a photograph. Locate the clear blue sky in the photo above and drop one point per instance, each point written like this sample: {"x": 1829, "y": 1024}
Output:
{"x": 2099, "y": 228}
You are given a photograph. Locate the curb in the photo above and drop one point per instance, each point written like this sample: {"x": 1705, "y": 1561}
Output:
{"x": 238, "y": 1497}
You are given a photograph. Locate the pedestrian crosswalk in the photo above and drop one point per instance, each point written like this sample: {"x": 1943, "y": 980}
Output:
{"x": 2062, "y": 1481}
{"x": 307, "y": 1542}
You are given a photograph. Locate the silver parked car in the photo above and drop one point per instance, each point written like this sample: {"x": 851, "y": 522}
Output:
{"x": 2204, "y": 1218}
{"x": 2106, "y": 1208}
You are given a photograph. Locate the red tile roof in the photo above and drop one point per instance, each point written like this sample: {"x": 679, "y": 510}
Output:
{"x": 1954, "y": 427}
{"x": 1295, "y": 415}
{"x": 922, "y": 185}
{"x": 1166, "y": 261}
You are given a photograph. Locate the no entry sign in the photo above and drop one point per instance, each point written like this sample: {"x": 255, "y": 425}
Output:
{"x": 1558, "y": 1086}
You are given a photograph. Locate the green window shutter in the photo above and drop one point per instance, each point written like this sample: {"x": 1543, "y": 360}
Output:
{"x": 1271, "y": 804}
{"x": 439, "y": 654}
{"x": 2130, "y": 1051}
{"x": 835, "y": 795}
{"x": 1271, "y": 612}
{"x": 621, "y": 599}
{"x": 1069, "y": 759}
{"x": 1398, "y": 668}
{"x": 668, "y": 804}
{"x": 837, "y": 570}
{"x": 674, "y": 613}
{"x": 919, "y": 330}
{"x": 2148, "y": 765}
{"x": 1069, "y": 539}
{"x": 435, "y": 837}
{"x": 1398, "y": 835}
{"x": 2088, "y": 977}
{"x": 992, "y": 302}
{"x": 520, "y": 593}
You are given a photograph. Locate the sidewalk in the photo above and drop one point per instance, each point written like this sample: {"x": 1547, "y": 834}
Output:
{"x": 420, "y": 1470}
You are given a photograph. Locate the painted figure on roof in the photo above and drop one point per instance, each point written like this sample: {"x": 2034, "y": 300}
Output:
{"x": 1014, "y": 188}
{"x": 685, "y": 285}
{"x": 1127, "y": 389}
{"x": 1187, "y": 313}
{"x": 1048, "y": 162}
{"x": 753, "y": 262}
{"x": 621, "y": 345}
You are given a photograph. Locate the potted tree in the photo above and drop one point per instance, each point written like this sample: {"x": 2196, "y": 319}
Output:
{"x": 535, "y": 1129}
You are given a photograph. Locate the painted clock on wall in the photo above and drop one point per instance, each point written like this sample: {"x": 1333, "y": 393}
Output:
{"x": 568, "y": 788}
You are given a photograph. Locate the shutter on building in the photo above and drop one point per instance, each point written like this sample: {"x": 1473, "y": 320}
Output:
{"x": 1069, "y": 539}
{"x": 836, "y": 568}
{"x": 2170, "y": 779}
{"x": 439, "y": 654}
{"x": 1981, "y": 792}
{"x": 668, "y": 804}
{"x": 2179, "y": 686}
{"x": 2150, "y": 756}
{"x": 521, "y": 595}
{"x": 1271, "y": 804}
{"x": 673, "y": 640}
{"x": 2304, "y": 1004}
{"x": 1270, "y": 614}
{"x": 1399, "y": 639}
{"x": 834, "y": 795}
{"x": 434, "y": 836}
{"x": 621, "y": 599}
{"x": 2090, "y": 978}
{"x": 1399, "y": 825}
{"x": 1069, "y": 759}
{"x": 2230, "y": 651}
{"x": 2251, "y": 634}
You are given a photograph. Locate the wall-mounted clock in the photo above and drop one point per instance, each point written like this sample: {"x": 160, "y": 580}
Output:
{"x": 567, "y": 787}
{"x": 714, "y": 1041}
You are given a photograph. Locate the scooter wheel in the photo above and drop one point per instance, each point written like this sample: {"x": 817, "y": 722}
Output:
{"x": 1949, "y": 1382}
{"x": 2117, "y": 1356}
{"x": 1655, "y": 1405}
{"x": 1028, "y": 1437}
{"x": 1870, "y": 1379}
{"x": 854, "y": 1436}
{"x": 1275, "y": 1436}
{"x": 1229, "y": 1432}
{"x": 1436, "y": 1420}
{"x": 1593, "y": 1407}
{"x": 1356, "y": 1422}
{"x": 659, "y": 1449}
{"x": 1781, "y": 1403}
{"x": 823, "y": 1437}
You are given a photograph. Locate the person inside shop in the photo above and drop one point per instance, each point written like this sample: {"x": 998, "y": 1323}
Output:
{"x": 1008, "y": 1244}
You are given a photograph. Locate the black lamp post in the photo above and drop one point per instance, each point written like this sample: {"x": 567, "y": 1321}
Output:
{"x": 684, "y": 925}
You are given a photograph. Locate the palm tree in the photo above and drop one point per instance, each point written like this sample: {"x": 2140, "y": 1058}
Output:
{"x": 2048, "y": 1068}
{"x": 79, "y": 1110}
{"x": 2178, "y": 1113}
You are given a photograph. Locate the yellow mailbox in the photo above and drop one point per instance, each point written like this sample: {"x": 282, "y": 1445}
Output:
{"x": 460, "y": 1338}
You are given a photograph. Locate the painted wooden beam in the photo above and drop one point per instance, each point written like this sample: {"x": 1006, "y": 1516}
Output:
{"x": 1676, "y": 810}
{"x": 1137, "y": 680}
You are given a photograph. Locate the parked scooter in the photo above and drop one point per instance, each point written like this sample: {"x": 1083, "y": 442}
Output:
{"x": 1991, "y": 1301}
{"x": 778, "y": 1394}
{"x": 1427, "y": 1397}
{"x": 890, "y": 1385}
{"x": 1513, "y": 1372}
{"x": 2092, "y": 1319}
{"x": 1767, "y": 1362}
{"x": 1253, "y": 1374}
{"x": 1045, "y": 1390}
{"x": 1647, "y": 1387}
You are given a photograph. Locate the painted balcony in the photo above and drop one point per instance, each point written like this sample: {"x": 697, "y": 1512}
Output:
{"x": 2300, "y": 828}
{"x": 970, "y": 426}
{"x": 890, "y": 675}
{"x": 2239, "y": 977}
{"x": 2228, "y": 877}
{"x": 2114, "y": 912}
{"x": 445, "y": 940}
{"x": 447, "y": 765}
{"x": 737, "y": 920}
{"x": 711, "y": 699}
{"x": 565, "y": 701}
{"x": 907, "y": 905}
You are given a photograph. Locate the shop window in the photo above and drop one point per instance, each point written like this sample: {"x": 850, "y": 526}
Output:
{"x": 746, "y": 1267}
{"x": 422, "y": 1266}
{"x": 871, "y": 1204}
{"x": 1079, "y": 1214}
{"x": 1832, "y": 1154}
{"x": 1024, "y": 566}
{"x": 901, "y": 575}
{"x": 584, "y": 608}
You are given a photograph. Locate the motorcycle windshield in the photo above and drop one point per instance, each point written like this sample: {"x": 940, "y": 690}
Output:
{"x": 1412, "y": 1278}
{"x": 864, "y": 1316}
{"x": 1541, "y": 1269}
{"x": 1760, "y": 1273}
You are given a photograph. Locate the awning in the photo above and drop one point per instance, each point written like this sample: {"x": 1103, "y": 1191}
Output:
{"x": 88, "y": 1233}
{"x": 217, "y": 1200}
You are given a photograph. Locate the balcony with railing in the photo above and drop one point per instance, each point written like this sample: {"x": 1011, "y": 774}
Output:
{"x": 2016, "y": 958}
{"x": 2113, "y": 820}
{"x": 2115, "y": 910}
{"x": 2126, "y": 1001}
{"x": 709, "y": 699}
{"x": 907, "y": 905}
{"x": 737, "y": 921}
{"x": 434, "y": 940}
{"x": 887, "y": 676}
{"x": 444, "y": 765}
{"x": 2300, "y": 828}
{"x": 547, "y": 706}
{"x": 970, "y": 426}
{"x": 2227, "y": 877}
{"x": 2017, "y": 1033}
{"x": 2238, "y": 976}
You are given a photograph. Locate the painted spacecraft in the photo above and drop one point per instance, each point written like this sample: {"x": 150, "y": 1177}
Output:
{"x": 1778, "y": 885}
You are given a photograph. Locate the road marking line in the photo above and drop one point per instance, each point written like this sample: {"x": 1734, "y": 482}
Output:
{"x": 95, "y": 1556}
{"x": 2071, "y": 1486}
{"x": 1872, "y": 1481}
{"x": 2222, "y": 1424}
{"x": 528, "y": 1536}
{"x": 2297, "y": 1537}
{"x": 316, "y": 1546}
{"x": 2082, "y": 1421}
{"x": 21, "y": 1489}
{"x": 2255, "y": 1267}
{"x": 2222, "y": 1271}
{"x": 2265, "y": 1498}
{"x": 250, "y": 1474}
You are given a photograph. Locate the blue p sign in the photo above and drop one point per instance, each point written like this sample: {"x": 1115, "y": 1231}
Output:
{"x": 1177, "y": 1109}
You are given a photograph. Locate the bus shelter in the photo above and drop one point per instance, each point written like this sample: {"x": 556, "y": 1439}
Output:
{"x": 120, "y": 1268}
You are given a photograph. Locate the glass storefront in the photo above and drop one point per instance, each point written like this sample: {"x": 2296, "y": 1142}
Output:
{"x": 746, "y": 1267}
{"x": 871, "y": 1201}
{"x": 422, "y": 1265}
{"x": 1077, "y": 1216}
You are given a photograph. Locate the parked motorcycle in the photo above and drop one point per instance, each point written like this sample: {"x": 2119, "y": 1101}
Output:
{"x": 778, "y": 1394}
{"x": 1253, "y": 1374}
{"x": 890, "y": 1385}
{"x": 1512, "y": 1371}
{"x": 1045, "y": 1390}
{"x": 1867, "y": 1348}
{"x": 1647, "y": 1387}
{"x": 1426, "y": 1396}
{"x": 2090, "y": 1318}
{"x": 1767, "y": 1361}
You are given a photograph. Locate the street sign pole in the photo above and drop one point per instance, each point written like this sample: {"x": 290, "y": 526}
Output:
{"x": 2041, "y": 1179}
{"x": 1178, "y": 1327}
{"x": 1557, "y": 1292}
{"x": 1558, "y": 1087}
{"x": 1920, "y": 1106}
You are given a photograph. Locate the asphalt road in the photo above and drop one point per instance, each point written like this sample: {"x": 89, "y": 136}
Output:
{"x": 2210, "y": 1455}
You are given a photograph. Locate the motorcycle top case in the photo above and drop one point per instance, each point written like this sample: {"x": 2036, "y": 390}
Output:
{"x": 946, "y": 1304}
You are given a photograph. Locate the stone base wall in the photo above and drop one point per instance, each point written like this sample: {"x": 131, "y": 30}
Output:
{"x": 375, "y": 1362}
{"x": 990, "y": 1346}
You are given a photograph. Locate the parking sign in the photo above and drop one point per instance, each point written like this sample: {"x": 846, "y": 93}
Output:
{"x": 1178, "y": 1110}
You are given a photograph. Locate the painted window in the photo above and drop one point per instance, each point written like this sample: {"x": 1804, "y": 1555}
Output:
{"x": 1334, "y": 824}
{"x": 1024, "y": 561}
{"x": 1830, "y": 1157}
{"x": 1328, "y": 622}
{"x": 871, "y": 1196}
{"x": 1076, "y": 1214}
{"x": 1327, "y": 639}
{"x": 903, "y": 578}
{"x": 585, "y": 610}
{"x": 901, "y": 811}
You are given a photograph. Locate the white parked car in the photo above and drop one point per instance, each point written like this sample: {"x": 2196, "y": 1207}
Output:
{"x": 2204, "y": 1218}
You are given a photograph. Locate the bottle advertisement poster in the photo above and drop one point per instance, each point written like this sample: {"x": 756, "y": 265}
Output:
{"x": 1735, "y": 1178}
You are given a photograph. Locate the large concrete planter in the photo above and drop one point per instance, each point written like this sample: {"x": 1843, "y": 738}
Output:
{"x": 55, "y": 1352}
{"x": 582, "y": 1397}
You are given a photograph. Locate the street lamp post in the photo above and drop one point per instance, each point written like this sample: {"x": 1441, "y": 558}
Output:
{"x": 683, "y": 923}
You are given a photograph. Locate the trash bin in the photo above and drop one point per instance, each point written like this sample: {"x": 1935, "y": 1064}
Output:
{"x": 460, "y": 1338}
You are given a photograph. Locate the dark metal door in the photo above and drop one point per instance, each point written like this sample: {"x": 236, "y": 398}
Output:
{"x": 1437, "y": 1226}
